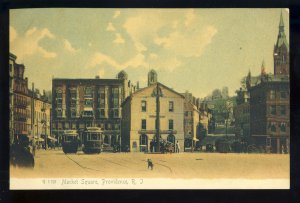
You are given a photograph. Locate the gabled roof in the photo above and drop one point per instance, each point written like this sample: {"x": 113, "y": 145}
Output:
{"x": 151, "y": 86}
{"x": 160, "y": 84}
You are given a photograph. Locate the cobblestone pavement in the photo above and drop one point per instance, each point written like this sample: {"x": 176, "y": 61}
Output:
{"x": 54, "y": 163}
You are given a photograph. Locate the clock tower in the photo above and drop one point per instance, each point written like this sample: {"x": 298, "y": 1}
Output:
{"x": 281, "y": 52}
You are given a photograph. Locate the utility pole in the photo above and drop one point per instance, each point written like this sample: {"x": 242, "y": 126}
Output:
{"x": 157, "y": 94}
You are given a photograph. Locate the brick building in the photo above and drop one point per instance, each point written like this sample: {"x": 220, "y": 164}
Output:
{"x": 12, "y": 61}
{"x": 80, "y": 103}
{"x": 270, "y": 103}
{"x": 21, "y": 101}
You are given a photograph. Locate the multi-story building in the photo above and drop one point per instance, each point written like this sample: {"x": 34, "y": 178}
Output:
{"x": 30, "y": 112}
{"x": 21, "y": 101}
{"x": 241, "y": 114}
{"x": 191, "y": 121}
{"x": 270, "y": 103}
{"x": 79, "y": 103}
{"x": 40, "y": 109}
{"x": 12, "y": 61}
{"x": 139, "y": 116}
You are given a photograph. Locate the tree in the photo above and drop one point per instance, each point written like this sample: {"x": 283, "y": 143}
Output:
{"x": 223, "y": 110}
{"x": 244, "y": 82}
{"x": 216, "y": 94}
{"x": 201, "y": 131}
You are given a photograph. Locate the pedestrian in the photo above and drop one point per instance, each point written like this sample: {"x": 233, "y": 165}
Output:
{"x": 282, "y": 149}
{"x": 177, "y": 147}
{"x": 151, "y": 146}
{"x": 150, "y": 164}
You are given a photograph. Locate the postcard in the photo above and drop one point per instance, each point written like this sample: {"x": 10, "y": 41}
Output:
{"x": 149, "y": 98}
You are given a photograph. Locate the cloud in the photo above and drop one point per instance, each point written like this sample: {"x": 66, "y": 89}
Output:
{"x": 189, "y": 17}
{"x": 116, "y": 14}
{"x": 119, "y": 39}
{"x": 110, "y": 27}
{"x": 28, "y": 44}
{"x": 153, "y": 56}
{"x": 175, "y": 36}
{"x": 12, "y": 34}
{"x": 141, "y": 29}
{"x": 68, "y": 46}
{"x": 100, "y": 58}
{"x": 170, "y": 64}
{"x": 187, "y": 43}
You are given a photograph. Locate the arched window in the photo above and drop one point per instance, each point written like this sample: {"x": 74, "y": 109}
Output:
{"x": 283, "y": 127}
{"x": 143, "y": 139}
{"x": 171, "y": 138}
{"x": 273, "y": 127}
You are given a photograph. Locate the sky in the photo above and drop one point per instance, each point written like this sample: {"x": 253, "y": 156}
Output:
{"x": 195, "y": 50}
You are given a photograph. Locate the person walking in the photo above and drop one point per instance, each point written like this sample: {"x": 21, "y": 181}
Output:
{"x": 177, "y": 147}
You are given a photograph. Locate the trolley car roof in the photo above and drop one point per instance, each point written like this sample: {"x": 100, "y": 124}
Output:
{"x": 70, "y": 132}
{"x": 93, "y": 129}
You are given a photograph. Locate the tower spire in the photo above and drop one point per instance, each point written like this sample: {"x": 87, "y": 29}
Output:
{"x": 263, "y": 67}
{"x": 281, "y": 24}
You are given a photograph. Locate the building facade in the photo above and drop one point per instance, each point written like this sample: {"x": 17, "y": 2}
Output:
{"x": 21, "y": 102}
{"x": 80, "y": 103}
{"x": 139, "y": 117}
{"x": 270, "y": 101}
{"x": 241, "y": 114}
{"x": 12, "y": 61}
{"x": 191, "y": 121}
{"x": 40, "y": 119}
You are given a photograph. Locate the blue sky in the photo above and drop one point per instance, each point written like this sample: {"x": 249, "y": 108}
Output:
{"x": 197, "y": 50}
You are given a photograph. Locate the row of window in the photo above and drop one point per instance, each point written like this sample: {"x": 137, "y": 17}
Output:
{"x": 280, "y": 94}
{"x": 70, "y": 125}
{"x": 275, "y": 126}
{"x": 89, "y": 102}
{"x": 20, "y": 100}
{"x": 101, "y": 113}
{"x": 144, "y": 124}
{"x": 274, "y": 110}
{"x": 19, "y": 87}
{"x": 88, "y": 92}
{"x": 144, "y": 106}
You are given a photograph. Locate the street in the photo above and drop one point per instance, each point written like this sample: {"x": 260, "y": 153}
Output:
{"x": 55, "y": 164}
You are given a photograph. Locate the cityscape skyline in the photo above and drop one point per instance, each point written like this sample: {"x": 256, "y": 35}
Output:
{"x": 53, "y": 41}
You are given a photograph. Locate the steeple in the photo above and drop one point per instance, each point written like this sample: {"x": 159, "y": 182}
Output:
{"x": 281, "y": 24}
{"x": 263, "y": 68}
{"x": 263, "y": 75}
{"x": 281, "y": 51}
{"x": 281, "y": 39}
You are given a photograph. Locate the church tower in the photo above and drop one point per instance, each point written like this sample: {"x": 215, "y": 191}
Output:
{"x": 152, "y": 77}
{"x": 281, "y": 52}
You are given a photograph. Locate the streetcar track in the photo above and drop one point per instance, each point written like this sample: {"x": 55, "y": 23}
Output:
{"x": 165, "y": 166}
{"x": 83, "y": 167}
